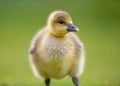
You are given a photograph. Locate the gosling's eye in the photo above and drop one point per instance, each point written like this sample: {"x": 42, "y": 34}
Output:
{"x": 61, "y": 22}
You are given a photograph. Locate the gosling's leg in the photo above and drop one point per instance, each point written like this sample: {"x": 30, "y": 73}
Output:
{"x": 75, "y": 81}
{"x": 47, "y": 82}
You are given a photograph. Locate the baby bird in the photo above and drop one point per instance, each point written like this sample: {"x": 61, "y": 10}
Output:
{"x": 56, "y": 52}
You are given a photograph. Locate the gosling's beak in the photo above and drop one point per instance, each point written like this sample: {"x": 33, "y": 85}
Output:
{"x": 72, "y": 28}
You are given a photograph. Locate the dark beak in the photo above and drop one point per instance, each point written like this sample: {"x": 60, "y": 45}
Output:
{"x": 72, "y": 28}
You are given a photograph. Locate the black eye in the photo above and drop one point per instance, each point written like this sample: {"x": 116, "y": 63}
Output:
{"x": 61, "y": 22}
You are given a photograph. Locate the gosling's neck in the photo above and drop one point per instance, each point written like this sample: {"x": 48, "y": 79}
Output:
{"x": 51, "y": 31}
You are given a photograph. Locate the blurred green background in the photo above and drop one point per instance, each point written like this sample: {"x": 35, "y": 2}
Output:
{"x": 99, "y": 23}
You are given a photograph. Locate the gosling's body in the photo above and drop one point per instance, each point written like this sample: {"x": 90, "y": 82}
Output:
{"x": 56, "y": 55}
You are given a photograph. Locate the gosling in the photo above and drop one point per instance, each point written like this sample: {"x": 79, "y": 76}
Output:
{"x": 56, "y": 52}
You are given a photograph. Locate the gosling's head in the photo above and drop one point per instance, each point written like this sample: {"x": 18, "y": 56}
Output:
{"x": 60, "y": 23}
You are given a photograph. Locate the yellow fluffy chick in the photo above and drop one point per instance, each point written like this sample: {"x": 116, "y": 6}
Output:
{"x": 56, "y": 52}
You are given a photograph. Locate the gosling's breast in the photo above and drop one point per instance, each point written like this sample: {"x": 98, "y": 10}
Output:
{"x": 54, "y": 49}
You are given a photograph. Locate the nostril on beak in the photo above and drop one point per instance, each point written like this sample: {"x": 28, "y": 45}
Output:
{"x": 71, "y": 26}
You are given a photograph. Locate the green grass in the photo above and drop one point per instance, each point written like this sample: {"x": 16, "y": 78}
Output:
{"x": 99, "y": 24}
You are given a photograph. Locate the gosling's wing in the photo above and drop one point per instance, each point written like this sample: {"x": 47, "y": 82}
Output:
{"x": 38, "y": 37}
{"x": 78, "y": 44}
{"x": 79, "y": 55}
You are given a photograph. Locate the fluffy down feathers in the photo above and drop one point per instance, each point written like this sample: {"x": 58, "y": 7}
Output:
{"x": 56, "y": 52}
